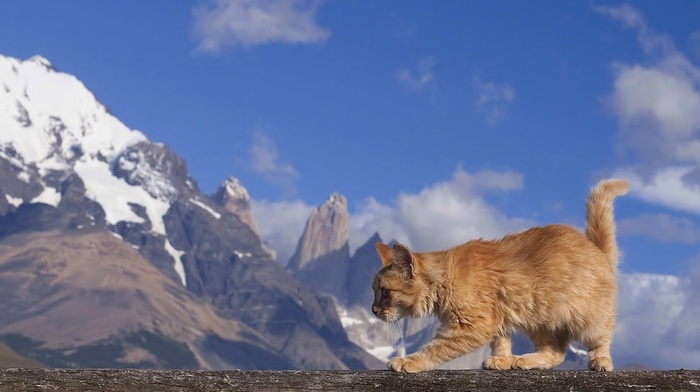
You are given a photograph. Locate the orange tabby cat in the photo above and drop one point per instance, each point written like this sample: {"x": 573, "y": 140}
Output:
{"x": 553, "y": 282}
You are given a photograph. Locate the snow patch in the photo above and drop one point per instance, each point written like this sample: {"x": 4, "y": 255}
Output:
{"x": 348, "y": 321}
{"x": 236, "y": 190}
{"x": 152, "y": 179}
{"x": 24, "y": 176}
{"x": 179, "y": 267}
{"x": 14, "y": 201}
{"x": 41, "y": 60}
{"x": 382, "y": 352}
{"x": 52, "y": 165}
{"x": 49, "y": 196}
{"x": 241, "y": 254}
{"x": 381, "y": 341}
{"x": 115, "y": 195}
{"x": 206, "y": 208}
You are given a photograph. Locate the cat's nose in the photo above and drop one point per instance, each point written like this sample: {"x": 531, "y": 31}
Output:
{"x": 375, "y": 309}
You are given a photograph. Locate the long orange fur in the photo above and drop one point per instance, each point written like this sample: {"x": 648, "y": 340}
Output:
{"x": 554, "y": 283}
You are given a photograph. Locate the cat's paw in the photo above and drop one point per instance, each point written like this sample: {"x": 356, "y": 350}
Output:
{"x": 407, "y": 365}
{"x": 600, "y": 364}
{"x": 531, "y": 361}
{"x": 499, "y": 362}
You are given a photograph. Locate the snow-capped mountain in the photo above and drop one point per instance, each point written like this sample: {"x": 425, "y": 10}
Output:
{"x": 63, "y": 130}
{"x": 68, "y": 167}
{"x": 51, "y": 123}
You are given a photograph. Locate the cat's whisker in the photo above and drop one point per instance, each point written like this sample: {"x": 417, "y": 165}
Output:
{"x": 393, "y": 330}
{"x": 382, "y": 332}
{"x": 376, "y": 329}
{"x": 372, "y": 273}
{"x": 398, "y": 342}
{"x": 388, "y": 333}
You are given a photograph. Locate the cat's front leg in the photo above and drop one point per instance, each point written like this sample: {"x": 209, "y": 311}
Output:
{"x": 501, "y": 354}
{"x": 448, "y": 344}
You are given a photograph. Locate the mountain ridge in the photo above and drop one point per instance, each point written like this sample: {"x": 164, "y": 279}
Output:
{"x": 75, "y": 171}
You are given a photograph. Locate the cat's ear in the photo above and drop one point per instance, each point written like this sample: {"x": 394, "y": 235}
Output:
{"x": 385, "y": 253}
{"x": 404, "y": 259}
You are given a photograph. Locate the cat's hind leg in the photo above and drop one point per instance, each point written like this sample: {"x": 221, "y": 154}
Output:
{"x": 501, "y": 355}
{"x": 597, "y": 340}
{"x": 550, "y": 351}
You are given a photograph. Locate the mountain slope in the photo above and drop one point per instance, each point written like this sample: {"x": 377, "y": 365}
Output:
{"x": 68, "y": 167}
{"x": 93, "y": 290}
{"x": 10, "y": 359}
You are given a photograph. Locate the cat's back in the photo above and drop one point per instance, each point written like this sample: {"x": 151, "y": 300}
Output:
{"x": 553, "y": 252}
{"x": 558, "y": 253}
{"x": 549, "y": 241}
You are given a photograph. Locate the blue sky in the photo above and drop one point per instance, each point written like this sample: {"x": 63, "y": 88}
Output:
{"x": 439, "y": 121}
{"x": 377, "y": 99}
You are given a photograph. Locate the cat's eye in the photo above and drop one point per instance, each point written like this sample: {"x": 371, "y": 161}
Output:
{"x": 385, "y": 293}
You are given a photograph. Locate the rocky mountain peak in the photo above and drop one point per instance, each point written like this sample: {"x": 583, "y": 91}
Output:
{"x": 49, "y": 118}
{"x": 155, "y": 168}
{"x": 327, "y": 231}
{"x": 233, "y": 196}
{"x": 43, "y": 61}
{"x": 336, "y": 200}
{"x": 233, "y": 189}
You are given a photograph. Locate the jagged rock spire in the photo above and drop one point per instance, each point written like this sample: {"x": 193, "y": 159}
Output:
{"x": 327, "y": 231}
{"x": 234, "y": 198}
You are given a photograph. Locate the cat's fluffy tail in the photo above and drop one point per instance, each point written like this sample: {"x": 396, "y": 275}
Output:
{"x": 600, "y": 226}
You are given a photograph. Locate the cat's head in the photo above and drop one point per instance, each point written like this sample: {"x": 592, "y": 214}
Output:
{"x": 403, "y": 286}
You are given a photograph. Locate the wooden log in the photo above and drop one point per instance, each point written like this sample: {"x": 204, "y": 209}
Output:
{"x": 125, "y": 380}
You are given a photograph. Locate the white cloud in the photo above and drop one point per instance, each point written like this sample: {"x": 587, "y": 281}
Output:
{"x": 493, "y": 100}
{"x": 658, "y": 111}
{"x": 651, "y": 94}
{"x": 683, "y": 335}
{"x": 658, "y": 317}
{"x": 265, "y": 160}
{"x": 281, "y": 224}
{"x": 629, "y": 17}
{"x": 220, "y": 23}
{"x": 649, "y": 308}
{"x": 657, "y": 104}
{"x": 668, "y": 187}
{"x": 421, "y": 79}
{"x": 661, "y": 227}
{"x": 440, "y": 216}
